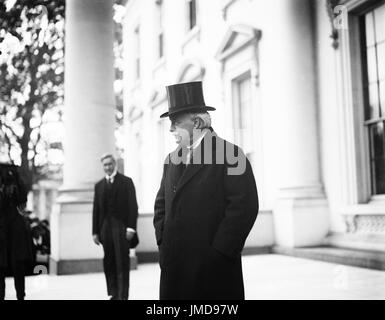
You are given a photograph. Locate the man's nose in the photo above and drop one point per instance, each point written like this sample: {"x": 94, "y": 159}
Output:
{"x": 172, "y": 127}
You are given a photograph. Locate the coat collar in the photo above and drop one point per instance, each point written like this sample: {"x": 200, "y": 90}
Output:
{"x": 113, "y": 175}
{"x": 116, "y": 183}
{"x": 206, "y": 146}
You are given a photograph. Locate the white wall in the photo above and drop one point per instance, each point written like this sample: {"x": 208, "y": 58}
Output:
{"x": 281, "y": 32}
{"x": 328, "y": 102}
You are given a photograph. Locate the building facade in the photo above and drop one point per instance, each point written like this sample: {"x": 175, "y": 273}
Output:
{"x": 298, "y": 84}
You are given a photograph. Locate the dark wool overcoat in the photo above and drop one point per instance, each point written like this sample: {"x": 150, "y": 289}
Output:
{"x": 203, "y": 215}
{"x": 125, "y": 207}
{"x": 15, "y": 234}
{"x": 3, "y": 249}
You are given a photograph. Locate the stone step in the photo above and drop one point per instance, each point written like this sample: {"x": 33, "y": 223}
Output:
{"x": 352, "y": 257}
{"x": 356, "y": 241}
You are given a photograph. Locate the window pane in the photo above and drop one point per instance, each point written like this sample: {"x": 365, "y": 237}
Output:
{"x": 372, "y": 64}
{"x": 372, "y": 110}
{"x": 380, "y": 23}
{"x": 382, "y": 97}
{"x": 381, "y": 60}
{"x": 245, "y": 124}
{"x": 377, "y": 140}
{"x": 137, "y": 52}
{"x": 379, "y": 176}
{"x": 160, "y": 45}
{"x": 137, "y": 67}
{"x": 192, "y": 13}
{"x": 244, "y": 102}
{"x": 369, "y": 26}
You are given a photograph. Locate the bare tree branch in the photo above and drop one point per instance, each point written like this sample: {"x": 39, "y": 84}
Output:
{"x": 3, "y": 124}
{"x": 9, "y": 146}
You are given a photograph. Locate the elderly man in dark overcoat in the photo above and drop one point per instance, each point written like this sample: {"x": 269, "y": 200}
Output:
{"x": 206, "y": 205}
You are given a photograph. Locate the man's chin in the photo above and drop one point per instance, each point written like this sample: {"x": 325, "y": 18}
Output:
{"x": 182, "y": 143}
{"x": 178, "y": 141}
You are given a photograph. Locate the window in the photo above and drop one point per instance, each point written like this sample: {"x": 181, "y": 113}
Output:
{"x": 373, "y": 51}
{"x": 243, "y": 114}
{"x": 192, "y": 13}
{"x": 159, "y": 30}
{"x": 137, "y": 52}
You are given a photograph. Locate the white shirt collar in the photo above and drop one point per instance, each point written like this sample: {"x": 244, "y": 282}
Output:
{"x": 112, "y": 176}
{"x": 199, "y": 140}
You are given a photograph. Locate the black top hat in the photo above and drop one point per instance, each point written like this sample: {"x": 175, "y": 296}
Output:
{"x": 185, "y": 97}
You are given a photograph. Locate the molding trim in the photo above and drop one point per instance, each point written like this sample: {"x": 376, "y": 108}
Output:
{"x": 188, "y": 64}
{"x": 134, "y": 114}
{"x": 194, "y": 33}
{"x": 225, "y": 6}
{"x": 158, "y": 96}
{"x": 226, "y": 49}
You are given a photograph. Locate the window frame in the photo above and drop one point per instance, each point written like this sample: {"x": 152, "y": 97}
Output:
{"x": 237, "y": 112}
{"x": 365, "y": 91}
{"x": 159, "y": 4}
{"x": 189, "y": 25}
{"x": 356, "y": 194}
{"x": 137, "y": 57}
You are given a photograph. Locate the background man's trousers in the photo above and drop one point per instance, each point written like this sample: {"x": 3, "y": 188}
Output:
{"x": 116, "y": 258}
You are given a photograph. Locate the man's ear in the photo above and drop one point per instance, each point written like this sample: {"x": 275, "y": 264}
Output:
{"x": 198, "y": 123}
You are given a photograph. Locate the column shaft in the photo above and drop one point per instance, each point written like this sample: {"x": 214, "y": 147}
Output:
{"x": 89, "y": 120}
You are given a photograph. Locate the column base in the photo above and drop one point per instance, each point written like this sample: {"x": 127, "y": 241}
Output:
{"x": 72, "y": 248}
{"x": 66, "y": 267}
{"x": 63, "y": 267}
{"x": 301, "y": 222}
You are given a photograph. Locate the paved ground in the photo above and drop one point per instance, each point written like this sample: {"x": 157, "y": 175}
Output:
{"x": 266, "y": 277}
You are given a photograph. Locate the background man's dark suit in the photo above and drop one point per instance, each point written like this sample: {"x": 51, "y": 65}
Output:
{"x": 115, "y": 209}
{"x": 202, "y": 219}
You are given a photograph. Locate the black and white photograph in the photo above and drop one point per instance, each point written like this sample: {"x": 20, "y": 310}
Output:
{"x": 210, "y": 152}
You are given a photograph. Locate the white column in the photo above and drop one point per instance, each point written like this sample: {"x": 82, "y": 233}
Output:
{"x": 89, "y": 131}
{"x": 301, "y": 210}
{"x": 42, "y": 214}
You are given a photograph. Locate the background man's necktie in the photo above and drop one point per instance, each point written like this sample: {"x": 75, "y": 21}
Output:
{"x": 109, "y": 182}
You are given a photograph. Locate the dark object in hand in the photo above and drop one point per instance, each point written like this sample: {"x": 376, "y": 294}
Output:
{"x": 134, "y": 241}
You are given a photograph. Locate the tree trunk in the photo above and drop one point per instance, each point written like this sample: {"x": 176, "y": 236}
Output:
{"x": 25, "y": 166}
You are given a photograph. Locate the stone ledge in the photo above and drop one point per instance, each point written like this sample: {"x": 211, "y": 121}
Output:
{"x": 65, "y": 267}
{"x": 153, "y": 256}
{"x": 356, "y": 241}
{"x": 358, "y": 258}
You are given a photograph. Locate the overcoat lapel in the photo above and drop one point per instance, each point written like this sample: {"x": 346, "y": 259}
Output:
{"x": 115, "y": 185}
{"x": 103, "y": 187}
{"x": 190, "y": 171}
{"x": 207, "y": 145}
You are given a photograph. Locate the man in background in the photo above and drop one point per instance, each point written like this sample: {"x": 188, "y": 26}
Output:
{"x": 115, "y": 214}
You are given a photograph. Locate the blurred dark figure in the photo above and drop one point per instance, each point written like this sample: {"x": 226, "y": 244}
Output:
{"x": 15, "y": 236}
{"x": 40, "y": 236}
